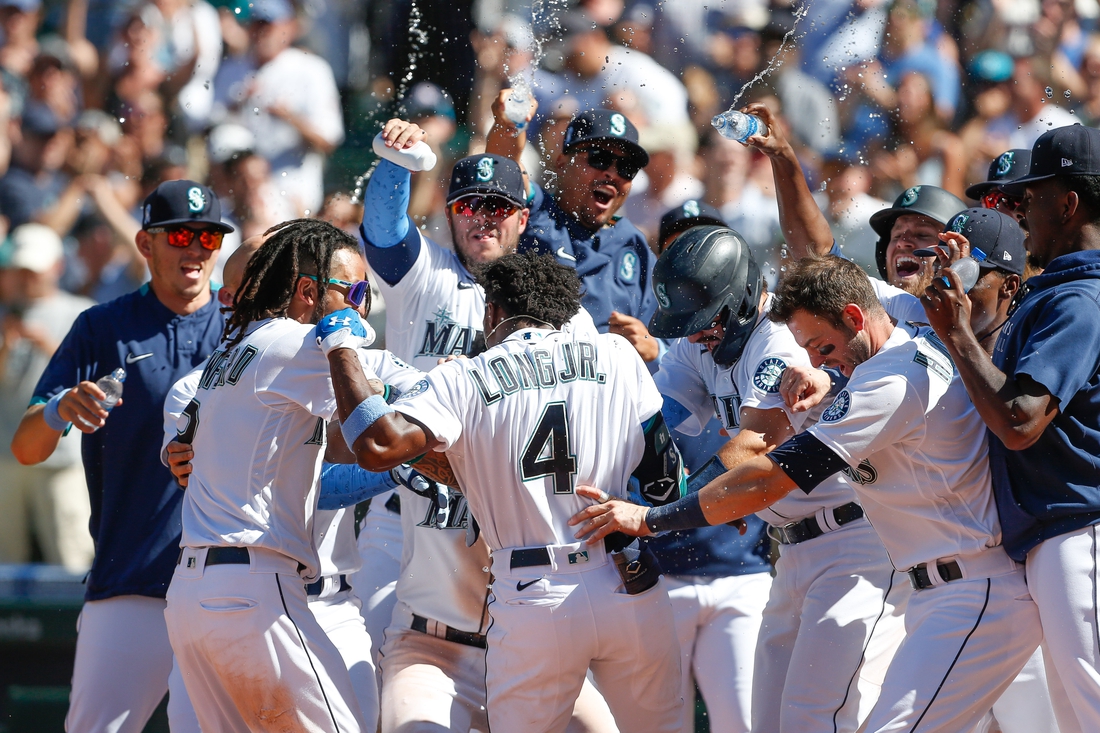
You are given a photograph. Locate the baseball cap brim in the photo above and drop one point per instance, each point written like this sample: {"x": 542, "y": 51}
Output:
{"x": 217, "y": 226}
{"x": 981, "y": 189}
{"x": 636, "y": 152}
{"x": 485, "y": 191}
{"x": 1016, "y": 187}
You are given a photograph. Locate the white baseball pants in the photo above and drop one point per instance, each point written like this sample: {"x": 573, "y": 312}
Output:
{"x": 341, "y": 618}
{"x": 375, "y": 582}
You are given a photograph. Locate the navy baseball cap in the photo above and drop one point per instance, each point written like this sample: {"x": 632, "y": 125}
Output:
{"x": 996, "y": 239}
{"x": 488, "y": 174}
{"x": 1005, "y": 168}
{"x": 1063, "y": 151}
{"x": 182, "y": 202}
{"x": 271, "y": 11}
{"x": 39, "y": 120}
{"x": 606, "y": 125}
{"x": 691, "y": 213}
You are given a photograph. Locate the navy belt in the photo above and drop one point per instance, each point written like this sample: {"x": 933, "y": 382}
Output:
{"x": 223, "y": 556}
{"x": 529, "y": 557}
{"x": 809, "y": 528}
{"x": 458, "y": 636}
{"x": 318, "y": 586}
{"x": 948, "y": 571}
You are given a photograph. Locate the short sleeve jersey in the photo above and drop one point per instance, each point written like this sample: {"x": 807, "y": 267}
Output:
{"x": 690, "y": 376}
{"x": 272, "y": 392}
{"x": 614, "y": 262}
{"x": 135, "y": 501}
{"x": 525, "y": 422}
{"x": 906, "y": 422}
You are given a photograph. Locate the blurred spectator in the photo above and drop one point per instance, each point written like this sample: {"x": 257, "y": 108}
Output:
{"x": 34, "y": 188}
{"x": 19, "y": 22}
{"x": 429, "y": 106}
{"x": 669, "y": 177}
{"x": 53, "y": 81}
{"x": 735, "y": 55}
{"x": 49, "y": 501}
{"x": 1034, "y": 103}
{"x": 106, "y": 265}
{"x": 848, "y": 206}
{"x": 1088, "y": 106}
{"x": 288, "y": 99}
{"x": 985, "y": 135}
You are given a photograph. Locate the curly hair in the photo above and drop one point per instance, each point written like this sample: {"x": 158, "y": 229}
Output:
{"x": 532, "y": 285}
{"x": 823, "y": 287}
{"x": 291, "y": 249}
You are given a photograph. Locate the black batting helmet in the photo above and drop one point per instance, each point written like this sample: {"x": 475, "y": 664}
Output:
{"x": 707, "y": 272}
{"x": 933, "y": 202}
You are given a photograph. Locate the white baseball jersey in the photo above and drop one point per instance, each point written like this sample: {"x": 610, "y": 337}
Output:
{"x": 523, "y": 423}
{"x": 334, "y": 538}
{"x": 690, "y": 376}
{"x": 899, "y": 304}
{"x": 905, "y": 418}
{"x": 259, "y": 418}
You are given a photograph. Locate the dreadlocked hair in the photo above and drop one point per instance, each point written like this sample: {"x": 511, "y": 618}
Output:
{"x": 533, "y": 286}
{"x": 291, "y": 249}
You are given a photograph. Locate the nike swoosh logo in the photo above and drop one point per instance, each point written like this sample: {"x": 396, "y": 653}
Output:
{"x": 565, "y": 255}
{"x": 524, "y": 586}
{"x": 130, "y": 358}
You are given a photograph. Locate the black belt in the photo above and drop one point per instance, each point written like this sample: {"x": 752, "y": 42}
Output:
{"x": 809, "y": 528}
{"x": 224, "y": 556}
{"x": 318, "y": 586}
{"x": 419, "y": 623}
{"x": 948, "y": 571}
{"x": 529, "y": 557}
{"x": 393, "y": 503}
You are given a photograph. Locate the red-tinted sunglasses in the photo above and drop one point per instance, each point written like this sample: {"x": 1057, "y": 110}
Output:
{"x": 491, "y": 206}
{"x": 182, "y": 237}
{"x": 995, "y": 199}
{"x": 357, "y": 291}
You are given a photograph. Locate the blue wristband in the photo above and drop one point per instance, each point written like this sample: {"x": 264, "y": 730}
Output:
{"x": 51, "y": 414}
{"x": 364, "y": 415}
{"x": 685, "y": 513}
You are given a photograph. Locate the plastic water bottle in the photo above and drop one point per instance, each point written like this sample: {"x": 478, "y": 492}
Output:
{"x": 417, "y": 158}
{"x": 734, "y": 125}
{"x": 112, "y": 388}
{"x": 518, "y": 102}
{"x": 968, "y": 271}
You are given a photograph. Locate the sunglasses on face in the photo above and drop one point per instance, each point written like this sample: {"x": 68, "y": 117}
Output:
{"x": 182, "y": 237}
{"x": 601, "y": 160}
{"x": 491, "y": 206}
{"x": 357, "y": 291}
{"x": 1006, "y": 203}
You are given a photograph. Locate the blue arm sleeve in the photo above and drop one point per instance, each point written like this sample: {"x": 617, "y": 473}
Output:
{"x": 835, "y": 251}
{"x": 346, "y": 484}
{"x": 386, "y": 205}
{"x": 674, "y": 413}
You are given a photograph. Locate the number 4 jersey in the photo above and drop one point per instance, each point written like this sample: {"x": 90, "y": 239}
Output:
{"x": 527, "y": 421}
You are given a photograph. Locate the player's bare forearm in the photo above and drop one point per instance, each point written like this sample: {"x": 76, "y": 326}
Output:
{"x": 504, "y": 138}
{"x": 761, "y": 431}
{"x": 34, "y": 441}
{"x": 748, "y": 488}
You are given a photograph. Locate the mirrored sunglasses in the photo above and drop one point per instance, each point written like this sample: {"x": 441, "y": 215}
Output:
{"x": 357, "y": 291}
{"x": 492, "y": 206}
{"x": 995, "y": 199}
{"x": 182, "y": 236}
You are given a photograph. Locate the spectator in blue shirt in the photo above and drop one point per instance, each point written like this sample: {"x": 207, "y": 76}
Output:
{"x": 158, "y": 334}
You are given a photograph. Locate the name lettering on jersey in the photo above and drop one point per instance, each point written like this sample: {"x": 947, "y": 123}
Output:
{"x": 537, "y": 369}
{"x": 862, "y": 474}
{"x": 935, "y": 359}
{"x": 456, "y": 515}
{"x": 226, "y": 367}
{"x": 443, "y": 337}
{"x": 728, "y": 410}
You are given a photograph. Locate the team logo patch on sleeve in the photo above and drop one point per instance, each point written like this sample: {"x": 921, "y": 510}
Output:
{"x": 418, "y": 388}
{"x": 836, "y": 411}
{"x": 768, "y": 374}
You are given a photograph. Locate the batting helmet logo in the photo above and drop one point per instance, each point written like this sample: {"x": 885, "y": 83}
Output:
{"x": 910, "y": 196}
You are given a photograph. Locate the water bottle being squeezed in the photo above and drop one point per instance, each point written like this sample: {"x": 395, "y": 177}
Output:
{"x": 734, "y": 125}
{"x": 518, "y": 102}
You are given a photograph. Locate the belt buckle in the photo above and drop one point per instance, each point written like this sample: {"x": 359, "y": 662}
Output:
{"x": 786, "y": 533}
{"x": 918, "y": 577}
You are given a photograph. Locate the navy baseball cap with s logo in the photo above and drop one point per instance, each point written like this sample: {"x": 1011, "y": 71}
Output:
{"x": 488, "y": 174}
{"x": 608, "y": 126}
{"x": 1063, "y": 151}
{"x": 175, "y": 203}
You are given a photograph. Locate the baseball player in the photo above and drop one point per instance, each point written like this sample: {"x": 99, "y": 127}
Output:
{"x": 520, "y": 425}
{"x": 1038, "y": 396}
{"x": 248, "y": 647}
{"x": 157, "y": 334}
{"x": 433, "y": 664}
{"x": 836, "y": 600}
{"x": 904, "y": 418}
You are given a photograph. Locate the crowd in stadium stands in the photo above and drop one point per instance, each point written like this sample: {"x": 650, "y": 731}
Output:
{"x": 274, "y": 104}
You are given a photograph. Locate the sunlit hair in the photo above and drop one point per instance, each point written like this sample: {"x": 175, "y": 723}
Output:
{"x": 823, "y": 287}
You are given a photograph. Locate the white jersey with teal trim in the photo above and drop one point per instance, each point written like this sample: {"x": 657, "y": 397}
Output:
{"x": 525, "y": 422}
{"x": 690, "y": 376}
{"x": 907, "y": 417}
{"x": 900, "y": 305}
{"x": 258, "y": 422}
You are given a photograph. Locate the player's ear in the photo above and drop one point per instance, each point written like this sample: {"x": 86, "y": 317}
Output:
{"x": 144, "y": 243}
{"x": 853, "y": 317}
{"x": 305, "y": 289}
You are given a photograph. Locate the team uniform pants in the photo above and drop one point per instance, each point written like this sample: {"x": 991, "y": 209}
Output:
{"x": 1025, "y": 706}
{"x": 430, "y": 685}
{"x": 341, "y": 618}
{"x": 1062, "y": 577}
{"x": 123, "y": 668}
{"x": 965, "y": 642}
{"x": 375, "y": 582}
{"x": 252, "y": 655}
{"x": 551, "y": 623}
{"x": 832, "y": 624}
{"x": 717, "y": 622}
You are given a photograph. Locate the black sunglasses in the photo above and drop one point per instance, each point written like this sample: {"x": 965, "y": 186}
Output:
{"x": 601, "y": 160}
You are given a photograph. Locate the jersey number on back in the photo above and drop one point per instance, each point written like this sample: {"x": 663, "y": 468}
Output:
{"x": 187, "y": 435}
{"x": 547, "y": 452}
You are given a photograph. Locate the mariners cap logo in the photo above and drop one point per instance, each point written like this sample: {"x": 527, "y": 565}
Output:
{"x": 839, "y": 408}
{"x": 196, "y": 199}
{"x": 1004, "y": 164}
{"x": 910, "y": 197}
{"x": 958, "y": 223}
{"x": 485, "y": 169}
{"x": 618, "y": 125}
{"x": 662, "y": 296}
{"x": 691, "y": 208}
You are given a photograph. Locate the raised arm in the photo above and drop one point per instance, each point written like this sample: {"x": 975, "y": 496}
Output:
{"x": 805, "y": 228}
{"x": 505, "y": 139}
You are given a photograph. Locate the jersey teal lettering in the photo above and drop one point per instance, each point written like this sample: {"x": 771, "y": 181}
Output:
{"x": 506, "y": 378}
{"x": 213, "y": 365}
{"x": 544, "y": 364}
{"x": 446, "y": 339}
{"x": 488, "y": 396}
{"x": 241, "y": 364}
{"x": 435, "y": 344}
{"x": 588, "y": 360}
{"x": 570, "y": 372}
{"x": 526, "y": 369}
